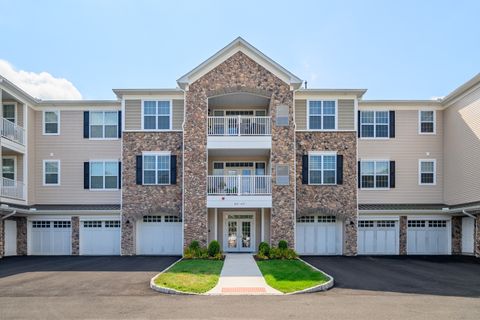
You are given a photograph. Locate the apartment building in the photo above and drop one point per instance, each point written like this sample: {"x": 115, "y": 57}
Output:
{"x": 240, "y": 152}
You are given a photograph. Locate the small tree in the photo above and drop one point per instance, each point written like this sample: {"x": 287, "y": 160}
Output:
{"x": 213, "y": 248}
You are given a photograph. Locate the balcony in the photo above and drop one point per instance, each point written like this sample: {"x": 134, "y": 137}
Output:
{"x": 239, "y": 132}
{"x": 12, "y": 189}
{"x": 12, "y": 131}
{"x": 239, "y": 191}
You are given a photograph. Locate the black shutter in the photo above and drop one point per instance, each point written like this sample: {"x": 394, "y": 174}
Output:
{"x": 392, "y": 124}
{"x": 139, "y": 169}
{"x": 339, "y": 169}
{"x": 359, "y": 174}
{"x": 392, "y": 174}
{"x": 86, "y": 175}
{"x": 119, "y": 175}
{"x": 86, "y": 124}
{"x": 305, "y": 169}
{"x": 119, "y": 124}
{"x": 359, "y": 127}
{"x": 173, "y": 169}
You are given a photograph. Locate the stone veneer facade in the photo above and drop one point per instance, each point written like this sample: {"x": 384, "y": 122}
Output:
{"x": 456, "y": 235}
{"x": 477, "y": 236}
{"x": 403, "y": 234}
{"x": 238, "y": 73}
{"x": 75, "y": 236}
{"x": 140, "y": 200}
{"x": 2, "y": 237}
{"x": 338, "y": 200}
{"x": 22, "y": 236}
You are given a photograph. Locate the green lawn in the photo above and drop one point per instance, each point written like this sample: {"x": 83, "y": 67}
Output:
{"x": 290, "y": 275}
{"x": 196, "y": 276}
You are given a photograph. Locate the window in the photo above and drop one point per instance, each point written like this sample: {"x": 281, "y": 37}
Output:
{"x": 283, "y": 178}
{"x": 9, "y": 112}
{"x": 327, "y": 219}
{"x": 366, "y": 224}
{"x": 416, "y": 223}
{"x": 61, "y": 224}
{"x": 8, "y": 168}
{"x": 282, "y": 115}
{"x": 152, "y": 218}
{"x": 103, "y": 125}
{"x": 51, "y": 172}
{"x": 322, "y": 115}
{"x": 92, "y": 224}
{"x": 103, "y": 175}
{"x": 374, "y": 174}
{"x": 172, "y": 219}
{"x": 437, "y": 224}
{"x": 156, "y": 169}
{"x": 156, "y": 115}
{"x": 40, "y": 224}
{"x": 322, "y": 169}
{"x": 306, "y": 219}
{"x": 112, "y": 224}
{"x": 427, "y": 121}
{"x": 426, "y": 173}
{"x": 374, "y": 124}
{"x": 51, "y": 122}
{"x": 386, "y": 224}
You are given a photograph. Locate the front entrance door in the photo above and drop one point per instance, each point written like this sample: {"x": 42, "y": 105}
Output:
{"x": 239, "y": 234}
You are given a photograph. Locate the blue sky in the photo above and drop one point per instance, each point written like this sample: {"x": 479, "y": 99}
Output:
{"x": 397, "y": 50}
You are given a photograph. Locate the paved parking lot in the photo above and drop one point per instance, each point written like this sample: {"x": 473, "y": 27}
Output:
{"x": 117, "y": 288}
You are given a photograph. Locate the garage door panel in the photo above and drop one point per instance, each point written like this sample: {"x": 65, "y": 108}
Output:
{"x": 318, "y": 235}
{"x": 377, "y": 237}
{"x": 51, "y": 238}
{"x": 427, "y": 237}
{"x": 157, "y": 235}
{"x": 100, "y": 237}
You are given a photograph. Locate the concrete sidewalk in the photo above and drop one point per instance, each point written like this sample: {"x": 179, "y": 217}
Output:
{"x": 241, "y": 276}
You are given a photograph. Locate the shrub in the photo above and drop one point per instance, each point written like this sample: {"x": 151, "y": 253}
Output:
{"x": 263, "y": 249}
{"x": 213, "y": 248}
{"x": 282, "y": 244}
{"x": 287, "y": 254}
{"x": 194, "y": 245}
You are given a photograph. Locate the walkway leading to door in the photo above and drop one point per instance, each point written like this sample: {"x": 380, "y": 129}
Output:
{"x": 240, "y": 276}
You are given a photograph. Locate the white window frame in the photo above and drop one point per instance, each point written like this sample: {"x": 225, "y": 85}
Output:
{"x": 308, "y": 114}
{"x": 375, "y": 125}
{"x": 103, "y": 125}
{"x": 44, "y": 173}
{"x": 14, "y": 165}
{"x": 420, "y": 161}
{"x": 15, "y": 106}
{"x": 58, "y": 124}
{"x": 322, "y": 153}
{"x": 170, "y": 101}
{"x": 375, "y": 174}
{"x": 157, "y": 153}
{"x": 434, "y": 122}
{"x": 90, "y": 175}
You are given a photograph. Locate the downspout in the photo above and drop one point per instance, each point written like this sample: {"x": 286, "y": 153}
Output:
{"x": 9, "y": 215}
{"x": 469, "y": 214}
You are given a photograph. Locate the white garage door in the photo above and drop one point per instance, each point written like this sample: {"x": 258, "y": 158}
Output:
{"x": 10, "y": 237}
{"x": 319, "y": 235}
{"x": 51, "y": 238}
{"x": 468, "y": 229}
{"x": 377, "y": 237}
{"x": 159, "y": 235}
{"x": 99, "y": 237}
{"x": 428, "y": 237}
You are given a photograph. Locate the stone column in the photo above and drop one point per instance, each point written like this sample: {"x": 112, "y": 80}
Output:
{"x": 21, "y": 236}
{"x": 477, "y": 236}
{"x": 350, "y": 239}
{"x": 2, "y": 239}
{"x": 75, "y": 236}
{"x": 403, "y": 235}
{"x": 456, "y": 235}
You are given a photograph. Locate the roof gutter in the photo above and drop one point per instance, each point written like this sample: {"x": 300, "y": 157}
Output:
{"x": 436, "y": 211}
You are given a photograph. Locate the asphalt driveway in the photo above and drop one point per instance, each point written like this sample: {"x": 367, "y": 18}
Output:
{"x": 67, "y": 276}
{"x": 432, "y": 275}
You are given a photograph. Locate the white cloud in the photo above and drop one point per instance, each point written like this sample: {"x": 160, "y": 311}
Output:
{"x": 40, "y": 85}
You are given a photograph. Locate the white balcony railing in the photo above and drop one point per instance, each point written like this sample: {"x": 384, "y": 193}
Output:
{"x": 12, "y": 131}
{"x": 239, "y": 126}
{"x": 239, "y": 185}
{"x": 12, "y": 189}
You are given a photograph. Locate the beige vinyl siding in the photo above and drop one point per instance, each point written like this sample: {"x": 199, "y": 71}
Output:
{"x": 133, "y": 114}
{"x": 72, "y": 150}
{"x": 177, "y": 114}
{"x": 301, "y": 114}
{"x": 346, "y": 114}
{"x": 405, "y": 149}
{"x": 462, "y": 150}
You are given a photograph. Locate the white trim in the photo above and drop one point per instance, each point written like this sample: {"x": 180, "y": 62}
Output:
{"x": 374, "y": 173}
{"x": 420, "y": 172}
{"x": 14, "y": 157}
{"x": 322, "y": 153}
{"x": 156, "y": 153}
{"x": 374, "y": 124}
{"x": 104, "y": 176}
{"x": 216, "y": 224}
{"x": 170, "y": 101}
{"x": 420, "y": 122}
{"x": 262, "y": 235}
{"x": 321, "y": 115}
{"x": 43, "y": 173}
{"x": 58, "y": 123}
{"x": 379, "y": 218}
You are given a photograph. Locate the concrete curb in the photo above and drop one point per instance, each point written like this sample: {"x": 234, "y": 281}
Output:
{"x": 165, "y": 290}
{"x": 321, "y": 287}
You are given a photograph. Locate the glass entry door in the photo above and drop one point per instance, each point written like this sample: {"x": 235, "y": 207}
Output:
{"x": 239, "y": 233}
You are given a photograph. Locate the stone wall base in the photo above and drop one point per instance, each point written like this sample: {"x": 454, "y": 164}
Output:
{"x": 21, "y": 236}
{"x": 457, "y": 235}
